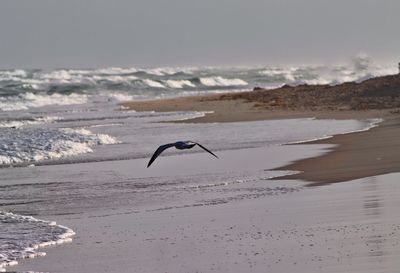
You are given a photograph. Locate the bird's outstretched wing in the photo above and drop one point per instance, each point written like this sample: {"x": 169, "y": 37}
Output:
{"x": 159, "y": 151}
{"x": 204, "y": 148}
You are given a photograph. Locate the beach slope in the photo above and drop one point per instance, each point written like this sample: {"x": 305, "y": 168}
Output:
{"x": 357, "y": 155}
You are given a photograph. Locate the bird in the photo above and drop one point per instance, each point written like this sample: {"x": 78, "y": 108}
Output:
{"x": 180, "y": 145}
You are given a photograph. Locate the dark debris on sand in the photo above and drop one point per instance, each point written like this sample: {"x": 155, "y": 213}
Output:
{"x": 376, "y": 93}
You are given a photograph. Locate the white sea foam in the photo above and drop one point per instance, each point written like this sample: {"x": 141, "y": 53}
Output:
{"x": 165, "y": 71}
{"x": 179, "y": 83}
{"x": 56, "y": 75}
{"x": 190, "y": 115}
{"x": 62, "y": 77}
{"x": 155, "y": 72}
{"x": 278, "y": 73}
{"x": 31, "y": 100}
{"x": 211, "y": 91}
{"x": 25, "y": 89}
{"x": 16, "y": 74}
{"x": 220, "y": 81}
{"x": 28, "y": 145}
{"x": 99, "y": 139}
{"x": 154, "y": 84}
{"x": 115, "y": 79}
{"x": 25, "y": 122}
{"x": 119, "y": 96}
{"x": 360, "y": 69}
{"x": 16, "y": 243}
{"x": 91, "y": 77}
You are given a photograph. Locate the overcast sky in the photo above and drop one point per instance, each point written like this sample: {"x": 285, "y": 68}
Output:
{"x": 149, "y": 33}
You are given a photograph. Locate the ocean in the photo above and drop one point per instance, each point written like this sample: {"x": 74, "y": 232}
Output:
{"x": 66, "y": 145}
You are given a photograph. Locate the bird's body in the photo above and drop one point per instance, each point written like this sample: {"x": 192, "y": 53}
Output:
{"x": 180, "y": 145}
{"x": 183, "y": 145}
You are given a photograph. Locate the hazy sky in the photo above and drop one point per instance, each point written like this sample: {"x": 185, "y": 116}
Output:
{"x": 148, "y": 33}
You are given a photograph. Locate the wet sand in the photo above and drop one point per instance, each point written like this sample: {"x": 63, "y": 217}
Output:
{"x": 256, "y": 225}
{"x": 346, "y": 227}
{"x": 356, "y": 155}
{"x": 134, "y": 227}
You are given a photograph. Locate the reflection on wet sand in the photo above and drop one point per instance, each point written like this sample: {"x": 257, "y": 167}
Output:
{"x": 252, "y": 225}
{"x": 373, "y": 205}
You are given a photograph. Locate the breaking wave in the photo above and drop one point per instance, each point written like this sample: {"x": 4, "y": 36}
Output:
{"x": 30, "y": 145}
{"x": 179, "y": 83}
{"x": 168, "y": 71}
{"x": 31, "y": 100}
{"x": 220, "y": 81}
{"x": 21, "y": 236}
{"x": 24, "y": 89}
{"x": 152, "y": 83}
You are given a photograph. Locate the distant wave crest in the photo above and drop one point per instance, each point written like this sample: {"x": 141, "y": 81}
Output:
{"x": 30, "y": 100}
{"x": 220, "y": 81}
{"x": 153, "y": 83}
{"x": 179, "y": 83}
{"x": 30, "y": 88}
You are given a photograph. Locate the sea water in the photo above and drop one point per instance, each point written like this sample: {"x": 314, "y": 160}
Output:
{"x": 52, "y": 119}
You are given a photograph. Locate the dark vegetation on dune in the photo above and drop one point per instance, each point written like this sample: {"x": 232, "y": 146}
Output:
{"x": 376, "y": 93}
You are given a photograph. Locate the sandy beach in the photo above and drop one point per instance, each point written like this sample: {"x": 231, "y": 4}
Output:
{"x": 356, "y": 155}
{"x": 228, "y": 215}
{"x": 199, "y": 136}
{"x": 257, "y": 226}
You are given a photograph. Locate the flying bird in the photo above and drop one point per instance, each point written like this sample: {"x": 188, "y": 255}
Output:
{"x": 180, "y": 145}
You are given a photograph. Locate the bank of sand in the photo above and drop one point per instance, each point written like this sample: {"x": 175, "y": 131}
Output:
{"x": 357, "y": 155}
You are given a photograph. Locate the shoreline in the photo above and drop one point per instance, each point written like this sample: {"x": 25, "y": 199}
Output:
{"x": 160, "y": 235}
{"x": 356, "y": 154}
{"x": 347, "y": 233}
